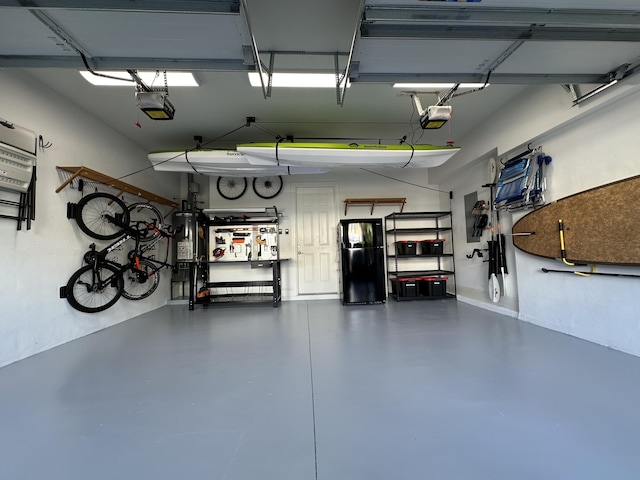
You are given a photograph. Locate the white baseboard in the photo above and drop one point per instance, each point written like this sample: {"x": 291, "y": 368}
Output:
{"x": 507, "y": 306}
{"x": 328, "y": 296}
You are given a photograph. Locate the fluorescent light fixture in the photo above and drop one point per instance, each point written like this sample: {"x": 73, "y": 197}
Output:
{"x": 151, "y": 78}
{"x": 434, "y": 86}
{"x": 296, "y": 80}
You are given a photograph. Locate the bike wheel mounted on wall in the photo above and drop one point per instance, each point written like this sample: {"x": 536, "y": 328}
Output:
{"x": 140, "y": 284}
{"x": 95, "y": 212}
{"x": 267, "y": 187}
{"x": 231, "y": 188}
{"x": 142, "y": 216}
{"x": 92, "y": 291}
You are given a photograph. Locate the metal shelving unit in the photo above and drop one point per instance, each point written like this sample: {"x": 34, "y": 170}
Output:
{"x": 419, "y": 227}
{"x": 238, "y": 241}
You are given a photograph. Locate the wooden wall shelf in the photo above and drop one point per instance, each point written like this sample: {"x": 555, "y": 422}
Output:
{"x": 373, "y": 202}
{"x": 119, "y": 185}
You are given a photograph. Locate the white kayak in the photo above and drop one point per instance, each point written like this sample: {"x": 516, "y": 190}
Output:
{"x": 224, "y": 163}
{"x": 347, "y": 154}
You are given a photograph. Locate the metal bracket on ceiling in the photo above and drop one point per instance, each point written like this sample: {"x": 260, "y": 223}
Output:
{"x": 342, "y": 79}
{"x": 340, "y": 93}
{"x": 266, "y": 89}
{"x": 339, "y": 79}
{"x": 572, "y": 90}
{"x": 613, "y": 77}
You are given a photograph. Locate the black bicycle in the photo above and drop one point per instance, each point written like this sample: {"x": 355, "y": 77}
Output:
{"x": 103, "y": 280}
{"x": 104, "y": 216}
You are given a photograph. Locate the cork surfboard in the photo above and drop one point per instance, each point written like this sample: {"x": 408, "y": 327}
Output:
{"x": 599, "y": 226}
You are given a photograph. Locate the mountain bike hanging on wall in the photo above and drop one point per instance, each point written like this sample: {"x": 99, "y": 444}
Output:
{"x": 100, "y": 283}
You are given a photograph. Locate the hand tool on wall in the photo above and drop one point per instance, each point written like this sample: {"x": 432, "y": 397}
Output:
{"x": 260, "y": 241}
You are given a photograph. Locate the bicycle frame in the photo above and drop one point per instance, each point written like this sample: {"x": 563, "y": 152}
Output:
{"x": 134, "y": 257}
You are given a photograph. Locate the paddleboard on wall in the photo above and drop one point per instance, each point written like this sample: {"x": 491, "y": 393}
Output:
{"x": 599, "y": 226}
{"x": 226, "y": 163}
{"x": 347, "y": 155}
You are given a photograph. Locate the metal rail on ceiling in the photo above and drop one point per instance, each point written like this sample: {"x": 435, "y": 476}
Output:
{"x": 217, "y": 7}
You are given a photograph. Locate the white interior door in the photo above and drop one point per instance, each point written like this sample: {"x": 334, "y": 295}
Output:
{"x": 317, "y": 241}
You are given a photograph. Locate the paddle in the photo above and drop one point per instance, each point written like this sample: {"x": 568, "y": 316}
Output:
{"x": 502, "y": 258}
{"x": 588, "y": 274}
{"x": 494, "y": 285}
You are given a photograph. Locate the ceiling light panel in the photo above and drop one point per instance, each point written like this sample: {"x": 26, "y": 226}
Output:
{"x": 150, "y": 78}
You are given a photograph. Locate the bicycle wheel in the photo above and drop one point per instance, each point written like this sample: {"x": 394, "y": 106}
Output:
{"x": 91, "y": 292}
{"x": 141, "y": 284}
{"x": 93, "y": 215}
{"x": 143, "y": 214}
{"x": 267, "y": 187}
{"x": 231, "y": 188}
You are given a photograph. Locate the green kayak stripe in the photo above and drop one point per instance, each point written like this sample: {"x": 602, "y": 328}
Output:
{"x": 348, "y": 146}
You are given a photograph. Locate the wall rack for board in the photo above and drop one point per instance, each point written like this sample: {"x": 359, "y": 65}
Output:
{"x": 373, "y": 202}
{"x": 419, "y": 253}
{"x": 86, "y": 173}
{"x": 245, "y": 240}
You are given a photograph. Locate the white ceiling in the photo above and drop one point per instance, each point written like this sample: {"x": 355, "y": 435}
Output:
{"x": 521, "y": 43}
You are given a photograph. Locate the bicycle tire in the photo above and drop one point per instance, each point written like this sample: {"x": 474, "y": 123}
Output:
{"x": 147, "y": 213}
{"x": 85, "y": 296}
{"x": 137, "y": 288}
{"x": 231, "y": 188}
{"x": 267, "y": 187}
{"x": 92, "y": 212}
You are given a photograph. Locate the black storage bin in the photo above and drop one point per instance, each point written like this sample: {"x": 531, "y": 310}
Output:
{"x": 433, "y": 286}
{"x": 406, "y": 287}
{"x": 432, "y": 247}
{"x": 406, "y": 247}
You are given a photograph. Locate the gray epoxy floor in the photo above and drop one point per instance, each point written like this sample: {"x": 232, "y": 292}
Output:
{"x": 414, "y": 390}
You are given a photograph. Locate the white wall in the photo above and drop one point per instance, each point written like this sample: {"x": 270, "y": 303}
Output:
{"x": 413, "y": 184}
{"x": 591, "y": 144}
{"x": 36, "y": 262}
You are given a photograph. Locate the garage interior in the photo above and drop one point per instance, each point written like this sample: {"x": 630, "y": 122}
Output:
{"x": 538, "y": 383}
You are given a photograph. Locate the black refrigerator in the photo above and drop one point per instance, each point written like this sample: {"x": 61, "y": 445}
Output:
{"x": 362, "y": 261}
